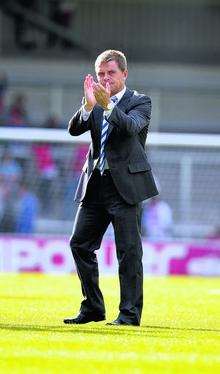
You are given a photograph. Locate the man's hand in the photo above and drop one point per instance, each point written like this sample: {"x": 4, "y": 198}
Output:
{"x": 90, "y": 99}
{"x": 102, "y": 94}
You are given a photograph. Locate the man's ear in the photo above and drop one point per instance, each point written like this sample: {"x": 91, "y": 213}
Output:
{"x": 125, "y": 74}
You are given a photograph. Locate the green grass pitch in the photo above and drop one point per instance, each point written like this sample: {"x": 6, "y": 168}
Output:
{"x": 180, "y": 331}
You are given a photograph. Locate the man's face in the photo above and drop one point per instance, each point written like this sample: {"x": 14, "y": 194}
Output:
{"x": 109, "y": 72}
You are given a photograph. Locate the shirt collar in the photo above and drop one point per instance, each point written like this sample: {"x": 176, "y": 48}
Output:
{"x": 120, "y": 94}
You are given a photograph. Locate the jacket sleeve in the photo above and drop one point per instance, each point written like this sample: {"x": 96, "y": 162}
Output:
{"x": 76, "y": 124}
{"x": 136, "y": 118}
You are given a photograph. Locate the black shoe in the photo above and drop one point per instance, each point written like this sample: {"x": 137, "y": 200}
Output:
{"x": 120, "y": 322}
{"x": 84, "y": 318}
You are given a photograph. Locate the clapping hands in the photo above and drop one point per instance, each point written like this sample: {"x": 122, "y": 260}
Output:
{"x": 95, "y": 93}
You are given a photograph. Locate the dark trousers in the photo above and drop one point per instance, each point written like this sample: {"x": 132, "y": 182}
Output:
{"x": 102, "y": 205}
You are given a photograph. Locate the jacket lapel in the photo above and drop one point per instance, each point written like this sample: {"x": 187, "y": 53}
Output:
{"x": 98, "y": 117}
{"x": 123, "y": 103}
{"x": 98, "y": 114}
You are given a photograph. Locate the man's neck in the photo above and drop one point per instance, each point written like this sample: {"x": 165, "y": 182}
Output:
{"x": 120, "y": 93}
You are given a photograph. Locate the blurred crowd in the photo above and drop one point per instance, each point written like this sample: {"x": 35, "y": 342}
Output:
{"x": 37, "y": 180}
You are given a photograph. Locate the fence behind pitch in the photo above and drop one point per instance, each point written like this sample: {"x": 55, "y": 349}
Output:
{"x": 186, "y": 167}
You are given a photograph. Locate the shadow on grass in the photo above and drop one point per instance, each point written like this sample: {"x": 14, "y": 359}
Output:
{"x": 151, "y": 331}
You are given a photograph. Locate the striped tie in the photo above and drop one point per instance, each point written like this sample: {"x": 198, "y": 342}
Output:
{"x": 102, "y": 157}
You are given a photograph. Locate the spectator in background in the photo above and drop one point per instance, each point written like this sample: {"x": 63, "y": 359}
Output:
{"x": 215, "y": 234}
{"x": 27, "y": 209}
{"x": 53, "y": 122}
{"x": 47, "y": 170}
{"x": 2, "y": 206}
{"x": 74, "y": 170}
{"x": 3, "y": 89}
{"x": 17, "y": 113}
{"x": 61, "y": 13}
{"x": 10, "y": 175}
{"x": 24, "y": 30}
{"x": 80, "y": 153}
{"x": 7, "y": 221}
{"x": 10, "y": 170}
{"x": 157, "y": 219}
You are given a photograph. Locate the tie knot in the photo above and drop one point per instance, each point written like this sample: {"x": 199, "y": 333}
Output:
{"x": 114, "y": 99}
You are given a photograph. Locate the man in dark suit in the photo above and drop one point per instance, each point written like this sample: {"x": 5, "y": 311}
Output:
{"x": 115, "y": 179}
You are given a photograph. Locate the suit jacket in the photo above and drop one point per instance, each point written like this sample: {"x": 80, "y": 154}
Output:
{"x": 125, "y": 147}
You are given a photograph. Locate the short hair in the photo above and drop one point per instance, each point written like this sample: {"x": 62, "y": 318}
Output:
{"x": 112, "y": 55}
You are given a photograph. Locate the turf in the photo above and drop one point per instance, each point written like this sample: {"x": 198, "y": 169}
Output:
{"x": 180, "y": 331}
